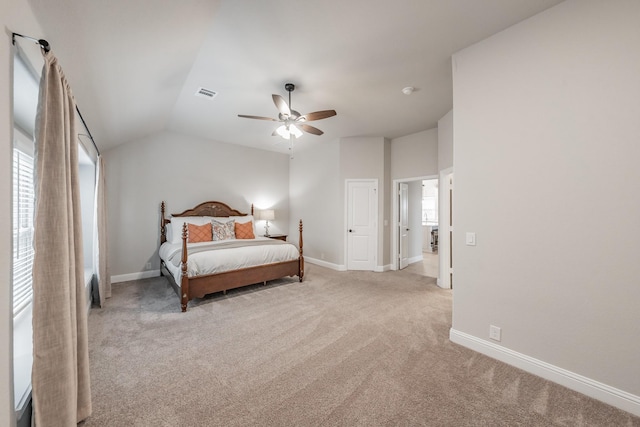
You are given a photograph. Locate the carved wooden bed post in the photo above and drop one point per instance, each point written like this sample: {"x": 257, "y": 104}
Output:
{"x": 184, "y": 280}
{"x": 301, "y": 267}
{"x": 163, "y": 233}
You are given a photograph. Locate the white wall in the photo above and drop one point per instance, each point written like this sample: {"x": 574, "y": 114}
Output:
{"x": 546, "y": 128}
{"x": 415, "y": 155}
{"x": 16, "y": 16}
{"x": 314, "y": 191}
{"x": 317, "y": 187}
{"x": 368, "y": 158}
{"x": 445, "y": 168}
{"x": 445, "y": 141}
{"x": 184, "y": 171}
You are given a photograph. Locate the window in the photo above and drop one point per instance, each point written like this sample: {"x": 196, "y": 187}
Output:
{"x": 23, "y": 210}
{"x": 25, "y": 101}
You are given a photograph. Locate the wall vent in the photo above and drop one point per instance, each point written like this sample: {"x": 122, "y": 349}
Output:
{"x": 206, "y": 93}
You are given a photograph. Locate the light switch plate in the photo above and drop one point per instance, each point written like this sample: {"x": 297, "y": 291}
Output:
{"x": 471, "y": 239}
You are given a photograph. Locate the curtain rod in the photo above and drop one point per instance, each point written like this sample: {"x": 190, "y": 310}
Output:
{"x": 44, "y": 45}
{"x": 42, "y": 42}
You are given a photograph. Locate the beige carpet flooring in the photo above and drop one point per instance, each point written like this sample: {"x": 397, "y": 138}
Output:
{"x": 339, "y": 349}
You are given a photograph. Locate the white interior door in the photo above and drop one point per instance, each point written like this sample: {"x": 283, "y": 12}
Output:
{"x": 362, "y": 219}
{"x": 403, "y": 224}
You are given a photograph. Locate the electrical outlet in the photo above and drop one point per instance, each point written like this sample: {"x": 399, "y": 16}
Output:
{"x": 148, "y": 266}
{"x": 322, "y": 255}
{"x": 495, "y": 333}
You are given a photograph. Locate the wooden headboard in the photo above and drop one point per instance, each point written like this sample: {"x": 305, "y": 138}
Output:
{"x": 211, "y": 208}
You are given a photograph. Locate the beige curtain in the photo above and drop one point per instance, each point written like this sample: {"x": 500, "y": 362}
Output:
{"x": 60, "y": 378}
{"x": 102, "y": 263}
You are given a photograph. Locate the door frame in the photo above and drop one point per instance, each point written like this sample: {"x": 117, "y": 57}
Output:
{"x": 403, "y": 211}
{"x": 376, "y": 239}
{"x": 395, "y": 200}
{"x": 444, "y": 230}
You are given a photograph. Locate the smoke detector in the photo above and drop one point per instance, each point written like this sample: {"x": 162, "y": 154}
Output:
{"x": 408, "y": 90}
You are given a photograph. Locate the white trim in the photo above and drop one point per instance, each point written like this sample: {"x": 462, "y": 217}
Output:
{"x": 444, "y": 271}
{"x": 326, "y": 264}
{"x": 135, "y": 276}
{"x": 382, "y": 268}
{"x": 597, "y": 390}
{"x": 415, "y": 259}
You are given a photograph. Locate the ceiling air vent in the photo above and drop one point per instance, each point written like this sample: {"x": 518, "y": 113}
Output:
{"x": 206, "y": 93}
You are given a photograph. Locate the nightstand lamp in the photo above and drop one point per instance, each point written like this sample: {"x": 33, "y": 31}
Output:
{"x": 267, "y": 215}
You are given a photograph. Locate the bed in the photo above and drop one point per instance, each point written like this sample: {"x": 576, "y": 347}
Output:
{"x": 196, "y": 269}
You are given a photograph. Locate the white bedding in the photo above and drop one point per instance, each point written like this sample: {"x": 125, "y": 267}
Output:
{"x": 219, "y": 256}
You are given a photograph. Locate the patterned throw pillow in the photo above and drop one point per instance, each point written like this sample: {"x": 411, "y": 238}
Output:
{"x": 223, "y": 230}
{"x": 244, "y": 231}
{"x": 199, "y": 233}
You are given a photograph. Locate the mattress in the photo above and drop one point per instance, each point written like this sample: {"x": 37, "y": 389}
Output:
{"x": 226, "y": 255}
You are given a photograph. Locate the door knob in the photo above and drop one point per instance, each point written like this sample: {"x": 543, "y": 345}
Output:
{"x": 350, "y": 231}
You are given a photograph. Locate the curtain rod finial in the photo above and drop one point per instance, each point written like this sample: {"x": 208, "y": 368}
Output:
{"x": 44, "y": 45}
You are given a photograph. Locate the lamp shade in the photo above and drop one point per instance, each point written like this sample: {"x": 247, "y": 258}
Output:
{"x": 267, "y": 214}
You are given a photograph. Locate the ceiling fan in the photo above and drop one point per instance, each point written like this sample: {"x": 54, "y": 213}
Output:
{"x": 292, "y": 121}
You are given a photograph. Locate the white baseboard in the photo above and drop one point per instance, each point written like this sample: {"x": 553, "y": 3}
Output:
{"x": 382, "y": 268}
{"x": 441, "y": 284}
{"x": 337, "y": 267}
{"x": 415, "y": 259}
{"x": 597, "y": 390}
{"x": 323, "y": 263}
{"x": 135, "y": 276}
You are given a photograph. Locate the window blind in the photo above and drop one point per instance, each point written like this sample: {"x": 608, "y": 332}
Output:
{"x": 23, "y": 212}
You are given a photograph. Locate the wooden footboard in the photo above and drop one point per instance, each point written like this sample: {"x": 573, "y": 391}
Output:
{"x": 198, "y": 287}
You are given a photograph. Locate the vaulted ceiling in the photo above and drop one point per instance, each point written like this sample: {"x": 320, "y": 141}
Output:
{"x": 135, "y": 65}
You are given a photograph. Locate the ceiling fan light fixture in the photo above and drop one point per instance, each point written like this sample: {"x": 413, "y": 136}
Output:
{"x": 295, "y": 131}
{"x": 290, "y": 118}
{"x": 283, "y": 132}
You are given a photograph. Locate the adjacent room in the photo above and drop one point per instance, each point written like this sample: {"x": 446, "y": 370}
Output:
{"x": 240, "y": 212}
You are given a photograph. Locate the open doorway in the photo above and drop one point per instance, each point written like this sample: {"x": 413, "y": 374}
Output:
{"x": 415, "y": 234}
{"x": 430, "y": 222}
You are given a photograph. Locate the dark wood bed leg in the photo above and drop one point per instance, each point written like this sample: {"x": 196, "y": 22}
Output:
{"x": 301, "y": 259}
{"x": 184, "y": 280}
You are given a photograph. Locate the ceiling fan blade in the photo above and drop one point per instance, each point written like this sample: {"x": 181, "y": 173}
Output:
{"x": 318, "y": 115}
{"x": 281, "y": 104}
{"x": 310, "y": 129}
{"x": 257, "y": 117}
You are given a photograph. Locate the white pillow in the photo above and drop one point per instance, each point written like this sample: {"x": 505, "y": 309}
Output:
{"x": 168, "y": 229}
{"x": 245, "y": 218}
{"x": 175, "y": 235}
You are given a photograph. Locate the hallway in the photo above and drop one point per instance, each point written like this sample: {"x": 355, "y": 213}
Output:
{"x": 428, "y": 267}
